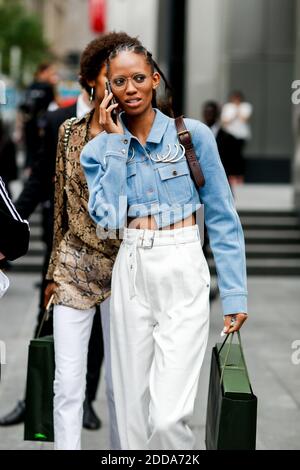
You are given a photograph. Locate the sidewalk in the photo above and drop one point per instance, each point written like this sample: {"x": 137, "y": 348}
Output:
{"x": 273, "y": 325}
{"x": 18, "y": 309}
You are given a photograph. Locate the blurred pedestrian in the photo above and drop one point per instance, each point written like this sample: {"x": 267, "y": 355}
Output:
{"x": 80, "y": 268}
{"x": 211, "y": 113}
{"x": 235, "y": 118}
{"x": 138, "y": 176}
{"x": 8, "y": 160}
{"x": 38, "y": 96}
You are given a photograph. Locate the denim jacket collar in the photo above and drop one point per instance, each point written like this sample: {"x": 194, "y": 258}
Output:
{"x": 158, "y": 128}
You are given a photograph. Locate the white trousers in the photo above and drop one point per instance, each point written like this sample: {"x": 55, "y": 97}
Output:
{"x": 72, "y": 330}
{"x": 113, "y": 427}
{"x": 159, "y": 332}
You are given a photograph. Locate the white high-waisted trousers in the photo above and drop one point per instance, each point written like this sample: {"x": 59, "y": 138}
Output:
{"x": 159, "y": 330}
{"x": 72, "y": 330}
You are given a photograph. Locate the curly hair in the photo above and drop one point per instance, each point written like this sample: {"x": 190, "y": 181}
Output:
{"x": 97, "y": 52}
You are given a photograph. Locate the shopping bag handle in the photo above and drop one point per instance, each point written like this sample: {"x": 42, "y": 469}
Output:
{"x": 45, "y": 316}
{"x": 228, "y": 351}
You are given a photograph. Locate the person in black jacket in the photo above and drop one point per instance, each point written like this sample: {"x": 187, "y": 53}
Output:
{"x": 14, "y": 231}
{"x": 39, "y": 188}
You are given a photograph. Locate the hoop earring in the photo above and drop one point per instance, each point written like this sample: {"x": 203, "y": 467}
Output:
{"x": 91, "y": 94}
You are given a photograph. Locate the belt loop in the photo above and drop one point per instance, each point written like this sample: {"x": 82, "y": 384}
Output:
{"x": 143, "y": 238}
{"x": 133, "y": 269}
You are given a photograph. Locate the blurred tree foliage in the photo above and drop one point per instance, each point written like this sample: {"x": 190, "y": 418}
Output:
{"x": 23, "y": 29}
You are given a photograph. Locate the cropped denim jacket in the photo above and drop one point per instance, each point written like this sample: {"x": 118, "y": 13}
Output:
{"x": 126, "y": 178}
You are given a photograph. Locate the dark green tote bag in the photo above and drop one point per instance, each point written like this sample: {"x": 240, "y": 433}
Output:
{"x": 232, "y": 406}
{"x": 39, "y": 389}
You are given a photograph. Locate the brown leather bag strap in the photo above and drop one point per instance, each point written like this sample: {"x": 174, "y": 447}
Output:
{"x": 185, "y": 139}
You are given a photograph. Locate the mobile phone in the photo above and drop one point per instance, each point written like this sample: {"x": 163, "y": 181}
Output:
{"x": 114, "y": 113}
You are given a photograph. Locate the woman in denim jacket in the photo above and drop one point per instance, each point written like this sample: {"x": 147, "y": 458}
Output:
{"x": 139, "y": 181}
{"x": 80, "y": 267}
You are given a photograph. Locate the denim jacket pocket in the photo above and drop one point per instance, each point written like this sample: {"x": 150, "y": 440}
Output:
{"x": 175, "y": 179}
{"x": 133, "y": 189}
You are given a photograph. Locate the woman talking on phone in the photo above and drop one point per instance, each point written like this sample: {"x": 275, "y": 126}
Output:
{"x": 139, "y": 180}
{"x": 80, "y": 267}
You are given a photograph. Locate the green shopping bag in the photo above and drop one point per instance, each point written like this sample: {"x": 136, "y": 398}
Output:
{"x": 39, "y": 388}
{"x": 232, "y": 406}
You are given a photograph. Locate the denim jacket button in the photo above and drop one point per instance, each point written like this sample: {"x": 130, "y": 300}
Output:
{"x": 174, "y": 172}
{"x": 123, "y": 151}
{"x": 125, "y": 141}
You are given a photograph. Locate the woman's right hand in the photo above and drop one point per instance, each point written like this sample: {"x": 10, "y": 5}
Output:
{"x": 51, "y": 286}
{"x": 105, "y": 117}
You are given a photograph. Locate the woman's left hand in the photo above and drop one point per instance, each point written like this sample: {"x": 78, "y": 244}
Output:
{"x": 239, "y": 319}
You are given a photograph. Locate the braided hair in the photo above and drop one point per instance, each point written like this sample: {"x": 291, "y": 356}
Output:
{"x": 164, "y": 103}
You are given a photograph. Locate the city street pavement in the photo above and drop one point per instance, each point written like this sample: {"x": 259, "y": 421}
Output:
{"x": 17, "y": 319}
{"x": 268, "y": 336}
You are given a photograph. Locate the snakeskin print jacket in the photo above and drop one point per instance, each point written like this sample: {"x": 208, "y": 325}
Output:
{"x": 81, "y": 263}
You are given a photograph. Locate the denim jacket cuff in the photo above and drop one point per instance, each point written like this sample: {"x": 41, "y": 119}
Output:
{"x": 236, "y": 303}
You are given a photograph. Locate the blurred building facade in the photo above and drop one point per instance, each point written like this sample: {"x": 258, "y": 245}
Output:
{"x": 207, "y": 48}
{"x": 249, "y": 46}
{"x": 66, "y": 23}
{"x": 296, "y": 115}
